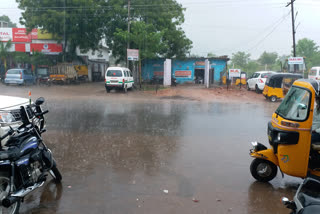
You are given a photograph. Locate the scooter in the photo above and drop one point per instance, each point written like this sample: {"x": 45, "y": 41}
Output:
{"x": 306, "y": 199}
{"x": 289, "y": 135}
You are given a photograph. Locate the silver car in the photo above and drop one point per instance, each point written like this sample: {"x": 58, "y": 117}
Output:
{"x": 19, "y": 76}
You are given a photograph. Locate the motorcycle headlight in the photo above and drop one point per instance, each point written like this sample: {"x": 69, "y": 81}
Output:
{"x": 254, "y": 145}
{"x": 6, "y": 117}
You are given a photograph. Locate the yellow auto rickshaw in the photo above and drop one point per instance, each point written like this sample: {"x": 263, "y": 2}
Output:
{"x": 242, "y": 79}
{"x": 278, "y": 85}
{"x": 289, "y": 134}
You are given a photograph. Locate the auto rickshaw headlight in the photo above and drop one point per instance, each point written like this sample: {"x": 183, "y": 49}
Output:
{"x": 279, "y": 137}
{"x": 254, "y": 145}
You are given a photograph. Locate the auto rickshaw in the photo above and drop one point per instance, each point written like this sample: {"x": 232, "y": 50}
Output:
{"x": 278, "y": 85}
{"x": 242, "y": 79}
{"x": 289, "y": 134}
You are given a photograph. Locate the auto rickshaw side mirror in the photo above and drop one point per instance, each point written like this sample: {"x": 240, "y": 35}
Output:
{"x": 302, "y": 106}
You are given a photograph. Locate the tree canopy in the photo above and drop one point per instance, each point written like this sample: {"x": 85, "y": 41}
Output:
{"x": 7, "y": 19}
{"x": 268, "y": 58}
{"x": 155, "y": 28}
{"x": 240, "y": 59}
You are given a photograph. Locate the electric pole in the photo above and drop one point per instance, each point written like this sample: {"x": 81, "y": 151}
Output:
{"x": 128, "y": 43}
{"x": 293, "y": 28}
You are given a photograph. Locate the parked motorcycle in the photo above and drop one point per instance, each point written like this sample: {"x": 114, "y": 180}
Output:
{"x": 173, "y": 81}
{"x": 25, "y": 161}
{"x": 306, "y": 199}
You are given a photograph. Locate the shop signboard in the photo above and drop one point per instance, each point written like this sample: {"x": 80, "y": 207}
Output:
{"x": 49, "y": 49}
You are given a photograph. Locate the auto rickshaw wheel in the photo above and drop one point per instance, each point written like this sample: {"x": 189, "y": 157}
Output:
{"x": 263, "y": 170}
{"x": 273, "y": 98}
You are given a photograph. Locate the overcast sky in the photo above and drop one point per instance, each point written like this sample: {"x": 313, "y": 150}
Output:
{"x": 224, "y": 27}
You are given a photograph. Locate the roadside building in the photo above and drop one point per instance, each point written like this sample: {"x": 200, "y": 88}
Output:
{"x": 189, "y": 70}
{"x": 41, "y": 41}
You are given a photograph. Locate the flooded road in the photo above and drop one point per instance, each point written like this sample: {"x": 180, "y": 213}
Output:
{"x": 118, "y": 154}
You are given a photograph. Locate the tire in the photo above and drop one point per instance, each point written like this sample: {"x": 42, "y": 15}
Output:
{"x": 55, "y": 173}
{"x": 248, "y": 87}
{"x": 273, "y": 98}
{"x": 4, "y": 182}
{"x": 263, "y": 170}
{"x": 257, "y": 90}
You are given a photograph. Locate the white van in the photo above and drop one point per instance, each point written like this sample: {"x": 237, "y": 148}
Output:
{"x": 314, "y": 73}
{"x": 118, "y": 78}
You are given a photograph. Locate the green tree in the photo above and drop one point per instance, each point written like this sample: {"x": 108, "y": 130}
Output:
{"x": 7, "y": 19}
{"x": 165, "y": 17}
{"x": 210, "y": 54}
{"x": 268, "y": 58}
{"x": 306, "y": 48}
{"x": 79, "y": 22}
{"x": 240, "y": 59}
{"x": 4, "y": 53}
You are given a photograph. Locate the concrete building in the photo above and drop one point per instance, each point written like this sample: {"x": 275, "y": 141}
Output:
{"x": 190, "y": 70}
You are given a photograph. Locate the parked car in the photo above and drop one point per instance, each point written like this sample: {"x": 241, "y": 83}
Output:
{"x": 10, "y": 113}
{"x": 314, "y": 73}
{"x": 19, "y": 76}
{"x": 258, "y": 80}
{"x": 118, "y": 78}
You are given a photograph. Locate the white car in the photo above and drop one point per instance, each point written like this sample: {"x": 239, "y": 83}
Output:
{"x": 258, "y": 80}
{"x": 118, "y": 77}
{"x": 10, "y": 113}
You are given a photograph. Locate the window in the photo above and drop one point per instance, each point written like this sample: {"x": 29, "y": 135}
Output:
{"x": 28, "y": 72}
{"x": 114, "y": 73}
{"x": 295, "y": 105}
{"x": 14, "y": 72}
{"x": 266, "y": 75}
{"x": 313, "y": 72}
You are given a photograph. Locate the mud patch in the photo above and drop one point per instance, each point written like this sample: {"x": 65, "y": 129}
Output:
{"x": 177, "y": 97}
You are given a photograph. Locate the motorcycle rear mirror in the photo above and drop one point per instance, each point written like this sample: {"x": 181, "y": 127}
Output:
{"x": 39, "y": 101}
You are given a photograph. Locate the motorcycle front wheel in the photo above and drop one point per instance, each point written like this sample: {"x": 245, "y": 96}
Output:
{"x": 4, "y": 190}
{"x": 263, "y": 170}
{"x": 55, "y": 173}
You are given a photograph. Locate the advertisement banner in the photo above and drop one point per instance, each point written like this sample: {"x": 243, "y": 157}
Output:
{"x": 183, "y": 74}
{"x": 20, "y": 35}
{"x": 234, "y": 73}
{"x": 133, "y": 54}
{"x": 295, "y": 61}
{"x": 5, "y": 34}
{"x": 50, "y": 49}
{"x": 44, "y": 35}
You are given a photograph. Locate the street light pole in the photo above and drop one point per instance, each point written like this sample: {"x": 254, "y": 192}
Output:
{"x": 293, "y": 31}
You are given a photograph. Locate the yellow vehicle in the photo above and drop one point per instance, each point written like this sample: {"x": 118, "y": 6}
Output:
{"x": 289, "y": 134}
{"x": 278, "y": 85}
{"x": 243, "y": 79}
{"x": 63, "y": 72}
{"x": 82, "y": 71}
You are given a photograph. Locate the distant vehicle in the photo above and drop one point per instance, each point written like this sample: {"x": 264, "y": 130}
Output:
{"x": 82, "y": 72}
{"x": 258, "y": 80}
{"x": 314, "y": 73}
{"x": 19, "y": 76}
{"x": 43, "y": 76}
{"x": 278, "y": 85}
{"x": 118, "y": 78}
{"x": 64, "y": 73}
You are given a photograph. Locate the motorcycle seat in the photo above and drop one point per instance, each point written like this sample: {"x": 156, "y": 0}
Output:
{"x": 308, "y": 200}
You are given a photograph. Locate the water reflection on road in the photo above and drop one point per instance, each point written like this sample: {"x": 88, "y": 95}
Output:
{"x": 119, "y": 156}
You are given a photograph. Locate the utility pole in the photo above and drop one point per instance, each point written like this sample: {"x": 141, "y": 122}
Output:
{"x": 128, "y": 43}
{"x": 293, "y": 28}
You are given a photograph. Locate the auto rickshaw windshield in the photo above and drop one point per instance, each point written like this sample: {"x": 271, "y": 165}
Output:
{"x": 295, "y": 106}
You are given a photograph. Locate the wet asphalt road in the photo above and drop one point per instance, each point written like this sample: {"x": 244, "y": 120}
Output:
{"x": 118, "y": 154}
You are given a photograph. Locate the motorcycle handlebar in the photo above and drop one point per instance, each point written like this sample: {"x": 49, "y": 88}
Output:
{"x": 42, "y": 113}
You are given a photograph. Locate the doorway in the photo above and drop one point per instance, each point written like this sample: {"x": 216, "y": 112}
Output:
{"x": 199, "y": 76}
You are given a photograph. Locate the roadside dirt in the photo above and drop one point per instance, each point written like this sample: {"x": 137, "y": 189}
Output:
{"x": 217, "y": 94}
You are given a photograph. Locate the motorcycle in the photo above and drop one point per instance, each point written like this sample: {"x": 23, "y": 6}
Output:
{"x": 173, "y": 81}
{"x": 26, "y": 161}
{"x": 289, "y": 135}
{"x": 306, "y": 199}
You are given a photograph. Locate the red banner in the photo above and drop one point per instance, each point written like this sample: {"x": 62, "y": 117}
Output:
{"x": 182, "y": 73}
{"x": 158, "y": 73}
{"x": 20, "y": 35}
{"x": 53, "y": 49}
